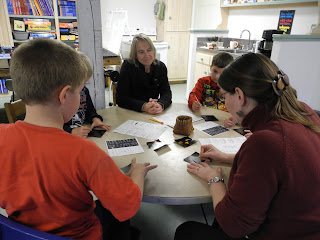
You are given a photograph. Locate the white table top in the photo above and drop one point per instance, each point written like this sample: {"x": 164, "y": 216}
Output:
{"x": 169, "y": 183}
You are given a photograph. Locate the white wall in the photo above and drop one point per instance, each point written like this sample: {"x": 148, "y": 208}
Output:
{"x": 257, "y": 19}
{"x": 140, "y": 14}
{"x": 299, "y": 59}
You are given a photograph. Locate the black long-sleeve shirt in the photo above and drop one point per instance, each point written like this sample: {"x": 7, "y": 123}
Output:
{"x": 135, "y": 87}
{"x": 86, "y": 112}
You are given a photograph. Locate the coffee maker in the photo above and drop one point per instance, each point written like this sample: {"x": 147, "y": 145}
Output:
{"x": 265, "y": 46}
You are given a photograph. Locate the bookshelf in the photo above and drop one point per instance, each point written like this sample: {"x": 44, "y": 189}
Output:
{"x": 51, "y": 17}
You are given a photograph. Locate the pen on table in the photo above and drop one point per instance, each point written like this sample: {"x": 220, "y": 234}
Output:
{"x": 203, "y": 160}
{"x": 156, "y": 121}
{"x": 79, "y": 125}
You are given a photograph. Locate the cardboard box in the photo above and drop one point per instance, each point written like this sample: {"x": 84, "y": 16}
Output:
{"x": 68, "y": 37}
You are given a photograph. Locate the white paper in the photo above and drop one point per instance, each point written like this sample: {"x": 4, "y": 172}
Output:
{"x": 170, "y": 118}
{"x": 226, "y": 145}
{"x": 141, "y": 129}
{"x": 211, "y": 128}
{"x": 124, "y": 147}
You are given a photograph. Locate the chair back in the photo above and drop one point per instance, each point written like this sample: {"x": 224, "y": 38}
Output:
{"x": 14, "y": 110}
{"x": 10, "y": 230}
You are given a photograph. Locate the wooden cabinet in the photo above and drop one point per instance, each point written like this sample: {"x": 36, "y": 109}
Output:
{"x": 203, "y": 63}
{"x": 174, "y": 30}
{"x": 178, "y": 15}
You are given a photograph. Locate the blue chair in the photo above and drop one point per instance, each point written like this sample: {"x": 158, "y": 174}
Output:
{"x": 10, "y": 230}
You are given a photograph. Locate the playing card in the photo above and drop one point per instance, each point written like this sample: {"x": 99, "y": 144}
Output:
{"x": 193, "y": 158}
{"x": 209, "y": 118}
{"x": 126, "y": 169}
{"x": 185, "y": 141}
{"x": 156, "y": 145}
{"x": 241, "y": 130}
{"x": 96, "y": 133}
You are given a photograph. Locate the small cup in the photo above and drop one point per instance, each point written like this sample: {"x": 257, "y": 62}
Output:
{"x": 233, "y": 44}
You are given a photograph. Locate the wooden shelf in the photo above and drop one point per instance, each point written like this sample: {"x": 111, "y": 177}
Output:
{"x": 37, "y": 16}
{"x": 67, "y": 18}
{"x": 30, "y": 16}
{"x": 252, "y": 4}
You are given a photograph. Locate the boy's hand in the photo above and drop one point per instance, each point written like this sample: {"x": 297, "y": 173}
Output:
{"x": 96, "y": 122}
{"x": 228, "y": 122}
{"x": 139, "y": 169}
{"x": 81, "y": 131}
{"x": 196, "y": 106}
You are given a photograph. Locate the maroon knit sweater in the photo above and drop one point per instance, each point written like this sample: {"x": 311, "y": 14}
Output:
{"x": 274, "y": 184}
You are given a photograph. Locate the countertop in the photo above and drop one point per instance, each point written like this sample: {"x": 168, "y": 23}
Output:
{"x": 291, "y": 38}
{"x": 215, "y": 51}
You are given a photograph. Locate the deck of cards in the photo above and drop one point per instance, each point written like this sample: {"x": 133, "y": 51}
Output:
{"x": 185, "y": 141}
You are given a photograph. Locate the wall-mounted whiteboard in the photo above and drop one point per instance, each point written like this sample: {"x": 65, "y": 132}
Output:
{"x": 113, "y": 29}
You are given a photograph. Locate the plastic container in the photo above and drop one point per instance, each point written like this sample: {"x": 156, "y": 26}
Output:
{"x": 20, "y": 35}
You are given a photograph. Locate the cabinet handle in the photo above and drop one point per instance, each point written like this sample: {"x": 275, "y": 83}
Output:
{"x": 205, "y": 73}
{"x": 168, "y": 46}
{"x": 169, "y": 17}
{"x": 201, "y": 59}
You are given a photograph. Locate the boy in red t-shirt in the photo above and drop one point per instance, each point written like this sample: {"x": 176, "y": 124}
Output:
{"x": 206, "y": 92}
{"x": 47, "y": 173}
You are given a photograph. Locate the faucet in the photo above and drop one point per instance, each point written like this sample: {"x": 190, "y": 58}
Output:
{"x": 249, "y": 36}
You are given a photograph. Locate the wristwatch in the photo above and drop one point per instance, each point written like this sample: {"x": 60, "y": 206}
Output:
{"x": 214, "y": 180}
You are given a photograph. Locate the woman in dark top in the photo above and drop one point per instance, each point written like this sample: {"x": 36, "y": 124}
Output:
{"x": 143, "y": 83}
{"x": 273, "y": 187}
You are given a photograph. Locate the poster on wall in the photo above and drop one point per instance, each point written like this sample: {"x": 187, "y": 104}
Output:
{"x": 285, "y": 21}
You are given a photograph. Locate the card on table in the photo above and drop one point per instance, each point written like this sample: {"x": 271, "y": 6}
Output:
{"x": 209, "y": 118}
{"x": 156, "y": 145}
{"x": 241, "y": 130}
{"x": 96, "y": 133}
{"x": 185, "y": 141}
{"x": 193, "y": 158}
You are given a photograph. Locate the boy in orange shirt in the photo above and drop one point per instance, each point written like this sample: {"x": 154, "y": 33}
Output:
{"x": 46, "y": 172}
{"x": 206, "y": 92}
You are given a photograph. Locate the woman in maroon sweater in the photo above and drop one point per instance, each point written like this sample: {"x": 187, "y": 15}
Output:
{"x": 273, "y": 189}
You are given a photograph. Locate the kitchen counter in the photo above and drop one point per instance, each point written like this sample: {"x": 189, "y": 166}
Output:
{"x": 234, "y": 52}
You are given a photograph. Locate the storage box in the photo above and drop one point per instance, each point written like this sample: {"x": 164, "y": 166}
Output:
{"x": 20, "y": 35}
{"x": 68, "y": 37}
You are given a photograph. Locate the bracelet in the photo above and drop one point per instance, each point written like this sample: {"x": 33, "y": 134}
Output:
{"x": 214, "y": 180}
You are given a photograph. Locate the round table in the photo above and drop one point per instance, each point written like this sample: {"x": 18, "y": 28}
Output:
{"x": 169, "y": 183}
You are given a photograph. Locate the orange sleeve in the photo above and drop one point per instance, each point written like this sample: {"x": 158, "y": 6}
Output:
{"x": 196, "y": 93}
{"x": 116, "y": 191}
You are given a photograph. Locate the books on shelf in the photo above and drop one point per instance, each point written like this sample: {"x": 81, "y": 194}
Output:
{"x": 67, "y": 8}
{"x": 41, "y": 35}
{"x": 30, "y": 7}
{"x": 3, "y": 88}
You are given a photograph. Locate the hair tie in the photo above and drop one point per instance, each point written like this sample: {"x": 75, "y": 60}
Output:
{"x": 280, "y": 82}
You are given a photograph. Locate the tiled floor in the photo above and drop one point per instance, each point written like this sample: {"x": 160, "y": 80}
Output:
{"x": 159, "y": 222}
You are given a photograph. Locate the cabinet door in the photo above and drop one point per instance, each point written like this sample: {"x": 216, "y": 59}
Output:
{"x": 202, "y": 70}
{"x": 178, "y": 15}
{"x": 178, "y": 54}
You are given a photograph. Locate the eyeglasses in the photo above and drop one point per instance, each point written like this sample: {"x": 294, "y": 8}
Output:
{"x": 222, "y": 96}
